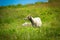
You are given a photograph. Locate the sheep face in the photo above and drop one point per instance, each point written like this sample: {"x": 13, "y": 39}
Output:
{"x": 28, "y": 17}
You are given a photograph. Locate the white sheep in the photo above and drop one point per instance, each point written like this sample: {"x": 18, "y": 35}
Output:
{"x": 35, "y": 21}
{"x": 27, "y": 24}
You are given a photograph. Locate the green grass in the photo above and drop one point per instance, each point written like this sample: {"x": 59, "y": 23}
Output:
{"x": 11, "y": 20}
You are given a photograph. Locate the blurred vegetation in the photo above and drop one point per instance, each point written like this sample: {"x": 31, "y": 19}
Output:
{"x": 12, "y": 18}
{"x": 54, "y": 1}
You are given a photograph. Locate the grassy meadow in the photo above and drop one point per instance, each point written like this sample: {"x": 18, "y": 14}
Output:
{"x": 12, "y": 18}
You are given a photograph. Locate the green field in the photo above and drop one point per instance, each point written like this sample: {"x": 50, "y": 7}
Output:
{"x": 12, "y": 18}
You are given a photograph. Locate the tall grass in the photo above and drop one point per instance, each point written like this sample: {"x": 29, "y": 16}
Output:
{"x": 11, "y": 20}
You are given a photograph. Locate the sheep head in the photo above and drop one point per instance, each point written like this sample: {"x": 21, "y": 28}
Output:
{"x": 28, "y": 17}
